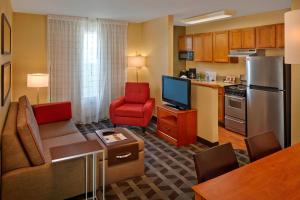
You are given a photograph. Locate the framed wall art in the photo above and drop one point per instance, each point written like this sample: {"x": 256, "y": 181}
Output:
{"x": 5, "y": 82}
{"x": 5, "y": 36}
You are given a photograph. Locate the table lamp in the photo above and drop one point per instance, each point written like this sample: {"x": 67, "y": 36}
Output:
{"x": 137, "y": 62}
{"x": 37, "y": 81}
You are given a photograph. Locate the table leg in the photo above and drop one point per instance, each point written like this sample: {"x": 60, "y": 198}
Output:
{"x": 94, "y": 178}
{"x": 86, "y": 177}
{"x": 103, "y": 175}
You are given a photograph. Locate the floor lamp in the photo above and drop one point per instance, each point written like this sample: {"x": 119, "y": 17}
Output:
{"x": 136, "y": 62}
{"x": 292, "y": 37}
{"x": 37, "y": 81}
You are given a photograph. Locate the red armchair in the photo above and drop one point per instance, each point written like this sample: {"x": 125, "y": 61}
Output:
{"x": 135, "y": 108}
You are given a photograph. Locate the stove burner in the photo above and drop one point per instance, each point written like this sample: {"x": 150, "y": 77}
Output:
{"x": 237, "y": 90}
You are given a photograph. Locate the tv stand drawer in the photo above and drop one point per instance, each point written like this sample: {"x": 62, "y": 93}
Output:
{"x": 167, "y": 129}
{"x": 178, "y": 127}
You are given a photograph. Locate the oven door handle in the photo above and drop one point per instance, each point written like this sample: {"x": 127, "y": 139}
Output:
{"x": 235, "y": 97}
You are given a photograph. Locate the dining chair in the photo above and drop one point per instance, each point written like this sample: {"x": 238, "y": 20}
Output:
{"x": 215, "y": 162}
{"x": 262, "y": 145}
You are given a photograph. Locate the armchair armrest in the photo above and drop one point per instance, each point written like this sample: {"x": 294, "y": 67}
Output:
{"x": 52, "y": 112}
{"x": 148, "y": 108}
{"x": 116, "y": 103}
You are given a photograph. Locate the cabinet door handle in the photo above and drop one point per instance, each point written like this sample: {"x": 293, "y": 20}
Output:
{"x": 123, "y": 156}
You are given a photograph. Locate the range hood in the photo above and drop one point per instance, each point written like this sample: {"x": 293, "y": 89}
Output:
{"x": 246, "y": 52}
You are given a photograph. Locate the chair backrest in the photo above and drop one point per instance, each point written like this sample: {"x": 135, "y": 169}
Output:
{"x": 262, "y": 145}
{"x": 215, "y": 162}
{"x": 137, "y": 92}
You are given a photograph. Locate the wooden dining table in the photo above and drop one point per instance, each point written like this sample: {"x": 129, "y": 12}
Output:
{"x": 274, "y": 177}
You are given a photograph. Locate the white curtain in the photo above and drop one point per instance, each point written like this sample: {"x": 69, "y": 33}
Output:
{"x": 87, "y": 62}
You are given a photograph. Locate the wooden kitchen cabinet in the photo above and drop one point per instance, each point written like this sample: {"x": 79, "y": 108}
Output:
{"x": 280, "y": 35}
{"x": 203, "y": 47}
{"x": 235, "y": 39}
{"x": 185, "y": 43}
{"x": 221, "y": 47}
{"x": 248, "y": 38}
{"x": 266, "y": 36}
{"x": 242, "y": 38}
{"x": 221, "y": 105}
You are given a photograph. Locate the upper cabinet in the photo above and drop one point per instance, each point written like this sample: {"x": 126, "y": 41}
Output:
{"x": 221, "y": 47}
{"x": 185, "y": 43}
{"x": 242, "y": 38}
{"x": 280, "y": 35}
{"x": 203, "y": 47}
{"x": 266, "y": 37}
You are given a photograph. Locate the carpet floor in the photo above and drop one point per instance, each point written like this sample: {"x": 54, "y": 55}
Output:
{"x": 169, "y": 171}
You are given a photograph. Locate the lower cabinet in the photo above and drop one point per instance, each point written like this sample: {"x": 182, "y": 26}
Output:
{"x": 179, "y": 127}
{"x": 221, "y": 106}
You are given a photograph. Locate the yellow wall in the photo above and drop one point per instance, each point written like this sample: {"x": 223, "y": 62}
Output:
{"x": 178, "y": 65}
{"x": 134, "y": 46}
{"x": 5, "y": 7}
{"x": 30, "y": 43}
{"x": 157, "y": 35}
{"x": 295, "y": 92}
{"x": 240, "y": 22}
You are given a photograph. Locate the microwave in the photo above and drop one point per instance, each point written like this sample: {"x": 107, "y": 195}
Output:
{"x": 186, "y": 55}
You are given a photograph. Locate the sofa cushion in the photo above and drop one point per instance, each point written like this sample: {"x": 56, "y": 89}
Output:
{"x": 57, "y": 129}
{"x": 60, "y": 141}
{"x": 13, "y": 154}
{"x": 137, "y": 92}
{"x": 24, "y": 101}
{"x": 28, "y": 131}
{"x": 130, "y": 110}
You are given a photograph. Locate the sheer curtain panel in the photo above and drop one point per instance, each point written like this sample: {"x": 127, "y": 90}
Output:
{"x": 87, "y": 62}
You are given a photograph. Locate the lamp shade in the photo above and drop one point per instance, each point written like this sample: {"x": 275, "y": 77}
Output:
{"x": 37, "y": 80}
{"x": 136, "y": 61}
{"x": 292, "y": 37}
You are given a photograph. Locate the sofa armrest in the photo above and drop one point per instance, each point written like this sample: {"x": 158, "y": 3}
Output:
{"x": 52, "y": 112}
{"x": 116, "y": 103}
{"x": 148, "y": 108}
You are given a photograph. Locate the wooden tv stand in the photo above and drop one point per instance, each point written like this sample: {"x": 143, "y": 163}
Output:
{"x": 178, "y": 127}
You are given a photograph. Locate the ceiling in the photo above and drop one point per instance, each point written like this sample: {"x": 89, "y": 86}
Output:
{"x": 142, "y": 10}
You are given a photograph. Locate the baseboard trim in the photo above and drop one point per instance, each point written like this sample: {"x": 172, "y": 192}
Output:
{"x": 206, "y": 142}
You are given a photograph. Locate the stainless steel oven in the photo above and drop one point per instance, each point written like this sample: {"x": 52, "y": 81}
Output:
{"x": 235, "y": 109}
{"x": 235, "y": 106}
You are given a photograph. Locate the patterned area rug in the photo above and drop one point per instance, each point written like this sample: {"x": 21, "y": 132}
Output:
{"x": 169, "y": 171}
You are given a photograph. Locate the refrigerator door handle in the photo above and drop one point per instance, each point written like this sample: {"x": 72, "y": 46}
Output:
{"x": 271, "y": 89}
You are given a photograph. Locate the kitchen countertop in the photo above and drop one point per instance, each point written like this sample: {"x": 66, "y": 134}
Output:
{"x": 211, "y": 84}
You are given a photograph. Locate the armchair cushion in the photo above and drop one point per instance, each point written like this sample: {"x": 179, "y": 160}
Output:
{"x": 52, "y": 112}
{"x": 130, "y": 110}
{"x": 137, "y": 92}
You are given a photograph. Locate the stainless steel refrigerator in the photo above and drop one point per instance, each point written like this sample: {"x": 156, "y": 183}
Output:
{"x": 269, "y": 97}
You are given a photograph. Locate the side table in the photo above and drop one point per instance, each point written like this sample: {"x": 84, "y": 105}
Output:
{"x": 77, "y": 150}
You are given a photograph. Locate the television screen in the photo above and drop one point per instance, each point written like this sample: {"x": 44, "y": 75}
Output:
{"x": 176, "y": 91}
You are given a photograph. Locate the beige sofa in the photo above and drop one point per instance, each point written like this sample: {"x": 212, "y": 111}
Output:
{"x": 26, "y": 168}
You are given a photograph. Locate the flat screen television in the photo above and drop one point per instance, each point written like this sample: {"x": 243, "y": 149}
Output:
{"x": 177, "y": 92}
